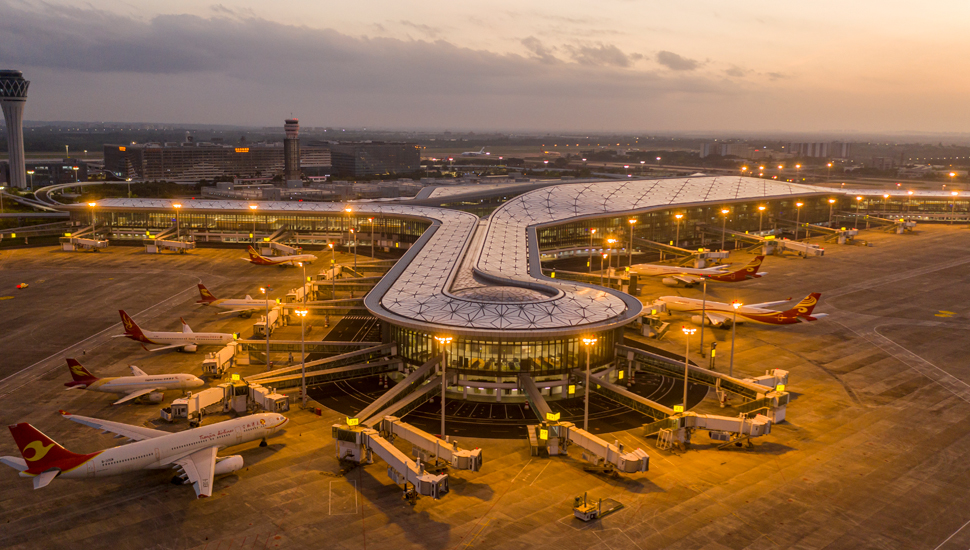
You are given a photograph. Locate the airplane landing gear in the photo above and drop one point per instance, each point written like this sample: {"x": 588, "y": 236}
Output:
{"x": 262, "y": 442}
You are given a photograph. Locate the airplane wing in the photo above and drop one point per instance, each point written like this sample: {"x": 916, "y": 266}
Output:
{"x": 135, "y": 371}
{"x": 687, "y": 279}
{"x": 769, "y": 304}
{"x": 135, "y": 433}
{"x": 173, "y": 346}
{"x": 716, "y": 319}
{"x": 136, "y": 395}
{"x": 238, "y": 310}
{"x": 200, "y": 468}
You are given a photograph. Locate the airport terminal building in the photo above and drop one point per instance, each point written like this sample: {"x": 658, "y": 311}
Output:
{"x": 479, "y": 281}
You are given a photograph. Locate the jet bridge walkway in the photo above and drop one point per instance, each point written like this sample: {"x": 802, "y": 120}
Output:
{"x": 701, "y": 258}
{"x": 358, "y": 444}
{"x": 757, "y": 396}
{"x": 356, "y": 364}
{"x": 154, "y": 244}
{"x": 556, "y": 436}
{"x": 431, "y": 447}
{"x": 274, "y": 243}
{"x": 400, "y": 390}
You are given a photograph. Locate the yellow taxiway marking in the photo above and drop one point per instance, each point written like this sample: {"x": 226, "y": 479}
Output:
{"x": 6, "y": 297}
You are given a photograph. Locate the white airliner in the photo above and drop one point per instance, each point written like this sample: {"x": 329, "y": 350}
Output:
{"x": 193, "y": 451}
{"x": 687, "y": 276}
{"x": 246, "y": 305}
{"x": 138, "y": 384}
{"x": 186, "y": 340}
{"x": 293, "y": 259}
{"x": 475, "y": 153}
{"x": 720, "y": 314}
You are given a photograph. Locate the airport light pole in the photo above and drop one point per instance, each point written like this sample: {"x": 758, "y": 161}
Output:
{"x": 953, "y": 213}
{"x": 265, "y": 290}
{"x": 725, "y": 212}
{"x": 831, "y": 205}
{"x": 609, "y": 265}
{"x": 443, "y": 342}
{"x": 129, "y": 186}
{"x": 703, "y": 314}
{"x": 734, "y": 323}
{"x": 2, "y": 187}
{"x": 305, "y": 280}
{"x": 798, "y": 168}
{"x": 31, "y": 174}
{"x": 798, "y": 217}
{"x": 588, "y": 342}
{"x": 828, "y": 175}
{"x": 371, "y": 222}
{"x": 591, "y": 233}
{"x": 253, "y": 207}
{"x": 885, "y": 202}
{"x": 632, "y": 223}
{"x": 92, "y": 205}
{"x": 858, "y": 204}
{"x": 603, "y": 257}
{"x": 687, "y": 333}
{"x": 302, "y": 314}
{"x": 76, "y": 180}
{"x": 909, "y": 200}
{"x": 677, "y": 237}
{"x": 333, "y": 279}
{"x": 178, "y": 234}
{"x": 761, "y": 216}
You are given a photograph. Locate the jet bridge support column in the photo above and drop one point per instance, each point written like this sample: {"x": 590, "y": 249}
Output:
{"x": 358, "y": 444}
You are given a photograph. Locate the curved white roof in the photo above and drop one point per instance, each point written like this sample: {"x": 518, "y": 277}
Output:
{"x": 429, "y": 288}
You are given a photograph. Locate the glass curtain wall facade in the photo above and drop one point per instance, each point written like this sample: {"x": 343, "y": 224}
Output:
{"x": 405, "y": 230}
{"x": 661, "y": 225}
{"x": 510, "y": 356}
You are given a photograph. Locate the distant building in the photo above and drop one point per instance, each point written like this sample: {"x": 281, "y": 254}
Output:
{"x": 291, "y": 154}
{"x": 742, "y": 150}
{"x": 41, "y": 172}
{"x": 193, "y": 161}
{"x": 882, "y": 163}
{"x": 819, "y": 149}
{"x": 371, "y": 158}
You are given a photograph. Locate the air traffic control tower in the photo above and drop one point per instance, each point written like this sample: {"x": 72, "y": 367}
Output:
{"x": 13, "y": 97}
{"x": 291, "y": 154}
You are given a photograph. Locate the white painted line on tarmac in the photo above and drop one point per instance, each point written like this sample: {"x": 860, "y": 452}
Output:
{"x": 72, "y": 346}
{"x": 951, "y": 536}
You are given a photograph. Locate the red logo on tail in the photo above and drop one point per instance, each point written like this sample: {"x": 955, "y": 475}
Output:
{"x": 80, "y": 374}
{"x": 131, "y": 328}
{"x": 42, "y": 453}
{"x": 207, "y": 297}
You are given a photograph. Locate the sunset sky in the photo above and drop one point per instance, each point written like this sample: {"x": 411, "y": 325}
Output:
{"x": 611, "y": 65}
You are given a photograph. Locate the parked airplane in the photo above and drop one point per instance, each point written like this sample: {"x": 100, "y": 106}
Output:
{"x": 686, "y": 276}
{"x": 138, "y": 384}
{"x": 186, "y": 340}
{"x": 193, "y": 451}
{"x": 259, "y": 259}
{"x": 720, "y": 314}
{"x": 475, "y": 153}
{"x": 246, "y": 305}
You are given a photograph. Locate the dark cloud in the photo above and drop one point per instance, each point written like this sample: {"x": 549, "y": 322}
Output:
{"x": 233, "y": 67}
{"x": 736, "y": 72}
{"x": 539, "y": 51}
{"x": 675, "y": 62}
{"x": 599, "y": 55}
{"x": 777, "y": 76}
{"x": 429, "y": 31}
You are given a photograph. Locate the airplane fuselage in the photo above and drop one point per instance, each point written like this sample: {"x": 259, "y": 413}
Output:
{"x": 179, "y": 338}
{"x": 160, "y": 452}
{"x": 694, "y": 306}
{"x": 233, "y": 304}
{"x": 129, "y": 384}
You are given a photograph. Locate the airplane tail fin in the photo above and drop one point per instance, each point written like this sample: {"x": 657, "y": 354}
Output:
{"x": 746, "y": 272}
{"x": 751, "y": 270}
{"x": 39, "y": 451}
{"x": 79, "y": 373}
{"x": 805, "y": 307}
{"x": 131, "y": 328}
{"x": 207, "y": 297}
{"x": 185, "y": 326}
{"x": 253, "y": 255}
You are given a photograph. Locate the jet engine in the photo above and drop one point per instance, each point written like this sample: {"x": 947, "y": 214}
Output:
{"x": 228, "y": 464}
{"x": 191, "y": 348}
{"x": 696, "y": 319}
{"x": 670, "y": 281}
{"x": 156, "y": 397}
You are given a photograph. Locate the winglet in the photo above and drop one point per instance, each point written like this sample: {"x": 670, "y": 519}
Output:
{"x": 64, "y": 413}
